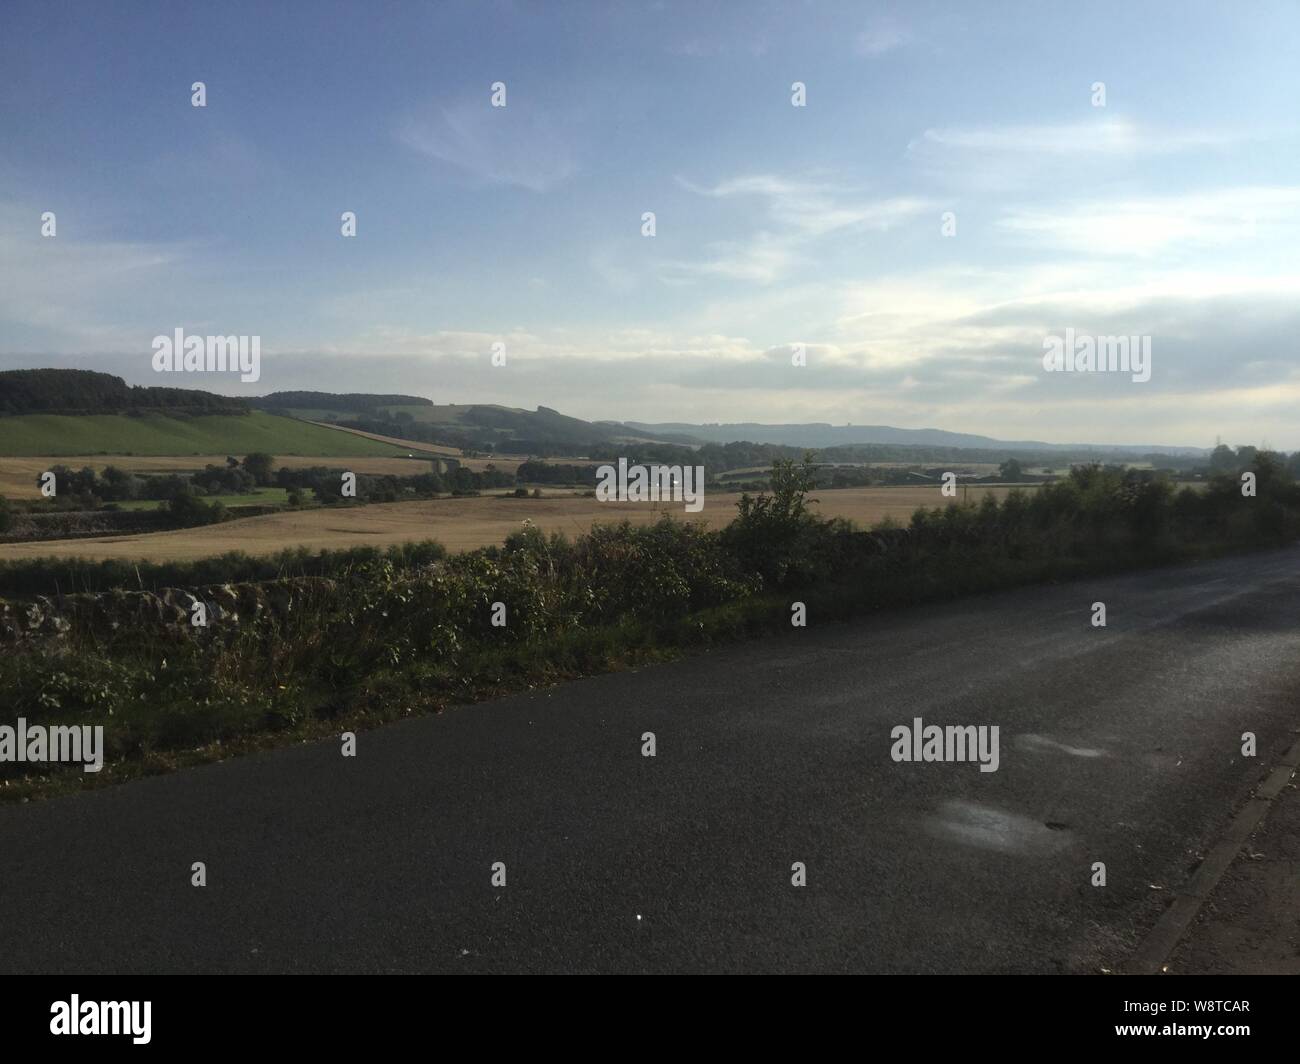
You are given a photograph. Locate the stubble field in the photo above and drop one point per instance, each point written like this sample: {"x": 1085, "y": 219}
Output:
{"x": 458, "y": 523}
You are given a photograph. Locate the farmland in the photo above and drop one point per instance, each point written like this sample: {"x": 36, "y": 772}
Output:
{"x": 18, "y": 476}
{"x": 155, "y": 434}
{"x": 260, "y": 497}
{"x": 457, "y": 523}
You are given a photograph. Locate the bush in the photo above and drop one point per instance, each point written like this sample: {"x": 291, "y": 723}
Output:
{"x": 766, "y": 532}
{"x": 190, "y": 511}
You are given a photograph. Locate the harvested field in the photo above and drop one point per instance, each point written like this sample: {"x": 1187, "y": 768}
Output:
{"x": 457, "y": 523}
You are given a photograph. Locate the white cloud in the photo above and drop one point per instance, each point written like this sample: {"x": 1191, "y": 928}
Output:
{"x": 883, "y": 35}
{"x": 1148, "y": 225}
{"x": 71, "y": 288}
{"x": 517, "y": 145}
{"x": 1102, "y": 136}
{"x": 798, "y": 213}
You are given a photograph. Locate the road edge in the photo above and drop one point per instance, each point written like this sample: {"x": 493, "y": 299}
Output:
{"x": 1152, "y": 956}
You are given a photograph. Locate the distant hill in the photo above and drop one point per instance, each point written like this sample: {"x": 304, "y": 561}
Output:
{"x": 477, "y": 427}
{"x": 358, "y": 402}
{"x": 159, "y": 434}
{"x": 187, "y": 421}
{"x": 84, "y": 391}
{"x": 824, "y": 435}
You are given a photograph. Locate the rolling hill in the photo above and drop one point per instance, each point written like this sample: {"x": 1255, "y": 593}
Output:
{"x": 824, "y": 435}
{"x": 480, "y": 426}
{"x": 55, "y": 412}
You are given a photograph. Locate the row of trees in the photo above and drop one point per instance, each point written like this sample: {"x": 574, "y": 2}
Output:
{"x": 357, "y": 402}
{"x": 84, "y": 488}
{"x": 1101, "y": 513}
{"x": 1224, "y": 459}
{"x": 326, "y": 484}
{"x": 83, "y": 391}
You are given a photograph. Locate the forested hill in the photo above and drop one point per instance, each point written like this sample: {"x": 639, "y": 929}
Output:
{"x": 84, "y": 391}
{"x": 357, "y": 402}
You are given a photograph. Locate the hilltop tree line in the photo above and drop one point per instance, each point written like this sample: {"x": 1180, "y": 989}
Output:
{"x": 83, "y": 391}
{"x": 358, "y": 402}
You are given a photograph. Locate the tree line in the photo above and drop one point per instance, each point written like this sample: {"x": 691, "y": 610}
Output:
{"x": 84, "y": 391}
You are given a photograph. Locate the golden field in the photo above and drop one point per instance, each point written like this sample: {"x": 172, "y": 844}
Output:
{"x": 457, "y": 523}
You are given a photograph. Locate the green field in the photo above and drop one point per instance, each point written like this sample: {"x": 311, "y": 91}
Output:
{"x": 154, "y": 434}
{"x": 445, "y": 414}
{"x": 261, "y": 497}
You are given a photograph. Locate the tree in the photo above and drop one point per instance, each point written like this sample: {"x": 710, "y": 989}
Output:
{"x": 785, "y": 507}
{"x": 189, "y": 510}
{"x": 768, "y": 526}
{"x": 1222, "y": 460}
{"x": 118, "y": 484}
{"x": 1010, "y": 470}
{"x": 258, "y": 465}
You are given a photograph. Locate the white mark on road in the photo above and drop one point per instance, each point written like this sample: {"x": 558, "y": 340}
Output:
{"x": 1042, "y": 742}
{"x": 993, "y": 829}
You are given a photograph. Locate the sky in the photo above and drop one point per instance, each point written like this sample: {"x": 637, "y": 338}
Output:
{"x": 953, "y": 191}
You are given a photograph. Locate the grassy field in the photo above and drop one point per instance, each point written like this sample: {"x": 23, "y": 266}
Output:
{"x": 507, "y": 463}
{"x": 153, "y": 434}
{"x": 445, "y": 414}
{"x": 261, "y": 497}
{"x": 457, "y": 523}
{"x": 412, "y": 446}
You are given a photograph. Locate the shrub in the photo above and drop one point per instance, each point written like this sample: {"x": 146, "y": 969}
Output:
{"x": 190, "y": 510}
{"x": 768, "y": 527}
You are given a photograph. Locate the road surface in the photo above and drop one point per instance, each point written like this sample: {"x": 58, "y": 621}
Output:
{"x": 1119, "y": 745}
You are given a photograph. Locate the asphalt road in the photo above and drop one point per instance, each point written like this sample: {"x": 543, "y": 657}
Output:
{"x": 1119, "y": 745}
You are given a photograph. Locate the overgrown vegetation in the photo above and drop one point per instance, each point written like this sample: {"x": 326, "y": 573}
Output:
{"x": 411, "y": 630}
{"x": 69, "y": 576}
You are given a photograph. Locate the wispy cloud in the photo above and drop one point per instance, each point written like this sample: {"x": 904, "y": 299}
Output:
{"x": 796, "y": 214}
{"x": 883, "y": 35}
{"x": 69, "y": 290}
{"x": 1103, "y": 136}
{"x": 815, "y": 209}
{"x": 1148, "y": 225}
{"x": 518, "y": 144}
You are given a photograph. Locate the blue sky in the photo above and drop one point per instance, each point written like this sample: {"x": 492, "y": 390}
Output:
{"x": 1171, "y": 212}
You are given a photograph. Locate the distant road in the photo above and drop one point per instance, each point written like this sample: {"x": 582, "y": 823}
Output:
{"x": 1118, "y": 745}
{"x": 435, "y": 450}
